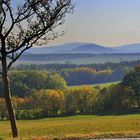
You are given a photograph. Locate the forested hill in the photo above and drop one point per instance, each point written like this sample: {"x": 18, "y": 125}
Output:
{"x": 85, "y": 74}
{"x": 84, "y": 58}
{"x": 59, "y": 67}
{"x": 80, "y": 48}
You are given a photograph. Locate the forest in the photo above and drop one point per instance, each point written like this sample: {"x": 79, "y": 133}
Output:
{"x": 40, "y": 93}
{"x": 84, "y": 74}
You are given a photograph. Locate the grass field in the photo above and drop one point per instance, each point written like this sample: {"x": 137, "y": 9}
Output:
{"x": 84, "y": 126}
{"x": 102, "y": 85}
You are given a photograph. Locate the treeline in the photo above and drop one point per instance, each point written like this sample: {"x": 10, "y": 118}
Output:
{"x": 72, "y": 101}
{"x": 23, "y": 82}
{"x": 58, "y": 67}
{"x": 63, "y": 100}
{"x": 85, "y": 74}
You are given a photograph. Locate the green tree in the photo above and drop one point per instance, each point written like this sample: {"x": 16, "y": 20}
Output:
{"x": 48, "y": 102}
{"x": 3, "y": 110}
{"x": 55, "y": 81}
{"x": 80, "y": 100}
{"x": 132, "y": 80}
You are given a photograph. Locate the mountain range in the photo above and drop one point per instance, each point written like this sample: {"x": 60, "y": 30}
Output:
{"x": 84, "y": 48}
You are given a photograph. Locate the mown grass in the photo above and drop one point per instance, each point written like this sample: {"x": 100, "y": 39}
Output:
{"x": 84, "y": 126}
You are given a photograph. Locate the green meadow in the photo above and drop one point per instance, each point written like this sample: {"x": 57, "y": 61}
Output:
{"x": 82, "y": 126}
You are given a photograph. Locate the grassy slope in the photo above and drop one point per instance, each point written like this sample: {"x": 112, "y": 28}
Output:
{"x": 77, "y": 126}
{"x": 102, "y": 85}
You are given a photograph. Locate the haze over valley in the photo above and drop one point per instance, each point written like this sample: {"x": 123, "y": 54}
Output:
{"x": 81, "y": 53}
{"x": 85, "y": 48}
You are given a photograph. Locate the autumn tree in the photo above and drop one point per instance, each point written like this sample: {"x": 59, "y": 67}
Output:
{"x": 3, "y": 111}
{"x": 47, "y": 102}
{"x": 23, "y": 24}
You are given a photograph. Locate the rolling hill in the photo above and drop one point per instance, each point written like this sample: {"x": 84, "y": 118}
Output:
{"x": 72, "y": 48}
{"x": 131, "y": 48}
{"x": 81, "y": 53}
{"x": 84, "y": 48}
{"x": 92, "y": 49}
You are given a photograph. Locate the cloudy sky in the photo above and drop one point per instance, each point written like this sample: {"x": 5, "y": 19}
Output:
{"x": 106, "y": 22}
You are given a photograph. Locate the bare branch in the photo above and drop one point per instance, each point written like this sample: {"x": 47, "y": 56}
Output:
{"x": 35, "y": 20}
{"x": 29, "y": 36}
{"x": 4, "y": 17}
{"x": 18, "y": 55}
{"x": 12, "y": 18}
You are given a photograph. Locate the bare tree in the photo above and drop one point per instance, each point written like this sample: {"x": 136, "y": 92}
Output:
{"x": 23, "y": 24}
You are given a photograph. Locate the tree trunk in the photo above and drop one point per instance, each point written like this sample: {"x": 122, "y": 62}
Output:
{"x": 138, "y": 100}
{"x": 8, "y": 99}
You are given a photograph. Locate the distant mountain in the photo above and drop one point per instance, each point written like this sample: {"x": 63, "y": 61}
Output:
{"x": 131, "y": 48}
{"x": 55, "y": 49}
{"x": 73, "y": 48}
{"x": 92, "y": 49}
{"x": 81, "y": 53}
{"x": 84, "y": 48}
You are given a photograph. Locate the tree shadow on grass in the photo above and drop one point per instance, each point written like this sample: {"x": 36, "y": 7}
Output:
{"x": 119, "y": 112}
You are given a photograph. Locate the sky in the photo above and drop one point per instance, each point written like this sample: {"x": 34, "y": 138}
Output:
{"x": 105, "y": 22}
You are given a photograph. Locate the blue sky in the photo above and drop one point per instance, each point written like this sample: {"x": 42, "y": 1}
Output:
{"x": 105, "y": 22}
